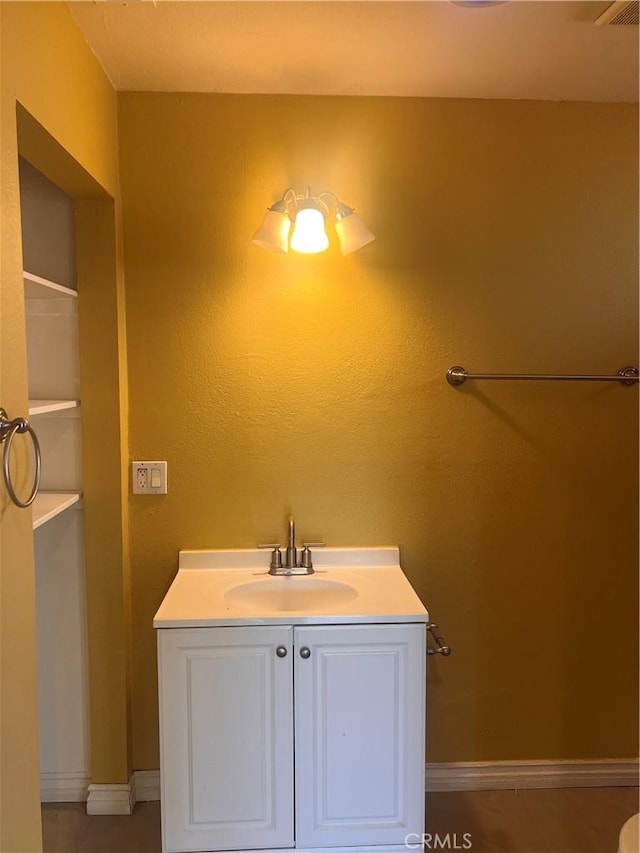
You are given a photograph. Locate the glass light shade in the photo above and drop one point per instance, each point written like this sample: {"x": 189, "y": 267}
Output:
{"x": 273, "y": 234}
{"x": 309, "y": 235}
{"x": 352, "y": 233}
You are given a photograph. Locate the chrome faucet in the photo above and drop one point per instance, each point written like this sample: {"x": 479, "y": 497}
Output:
{"x": 291, "y": 560}
{"x": 291, "y": 565}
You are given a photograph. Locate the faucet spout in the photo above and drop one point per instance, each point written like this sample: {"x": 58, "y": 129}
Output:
{"x": 291, "y": 566}
{"x": 292, "y": 553}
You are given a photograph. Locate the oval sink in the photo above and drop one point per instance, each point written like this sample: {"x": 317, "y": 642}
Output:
{"x": 291, "y": 593}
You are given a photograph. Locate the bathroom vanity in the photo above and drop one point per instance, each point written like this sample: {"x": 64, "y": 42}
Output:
{"x": 292, "y": 709}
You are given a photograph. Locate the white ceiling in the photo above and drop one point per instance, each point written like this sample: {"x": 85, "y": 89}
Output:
{"x": 539, "y": 49}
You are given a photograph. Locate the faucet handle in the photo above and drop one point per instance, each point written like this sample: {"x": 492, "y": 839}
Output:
{"x": 305, "y": 561}
{"x": 276, "y": 556}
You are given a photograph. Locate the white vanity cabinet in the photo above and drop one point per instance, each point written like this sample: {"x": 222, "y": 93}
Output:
{"x": 226, "y": 738}
{"x": 292, "y": 735}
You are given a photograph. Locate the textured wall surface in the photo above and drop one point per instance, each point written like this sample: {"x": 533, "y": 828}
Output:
{"x": 506, "y": 241}
{"x": 46, "y": 68}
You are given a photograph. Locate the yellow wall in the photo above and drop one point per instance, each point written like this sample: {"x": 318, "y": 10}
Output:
{"x": 67, "y": 127}
{"x": 506, "y": 241}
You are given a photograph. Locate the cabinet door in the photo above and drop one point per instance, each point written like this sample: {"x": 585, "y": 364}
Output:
{"x": 226, "y": 735}
{"x": 359, "y": 734}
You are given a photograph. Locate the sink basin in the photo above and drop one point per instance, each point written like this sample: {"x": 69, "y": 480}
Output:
{"x": 232, "y": 587}
{"x": 306, "y": 593}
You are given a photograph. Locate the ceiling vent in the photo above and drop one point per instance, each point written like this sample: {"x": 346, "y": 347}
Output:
{"x": 620, "y": 13}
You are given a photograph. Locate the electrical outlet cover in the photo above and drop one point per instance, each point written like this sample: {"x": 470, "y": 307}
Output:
{"x": 149, "y": 478}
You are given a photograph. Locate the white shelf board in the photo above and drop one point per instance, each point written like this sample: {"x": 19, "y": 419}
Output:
{"x": 42, "y": 407}
{"x": 49, "y": 504}
{"x": 36, "y": 287}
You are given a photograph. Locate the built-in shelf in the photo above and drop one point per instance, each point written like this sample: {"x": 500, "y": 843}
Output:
{"x": 51, "y": 303}
{"x": 36, "y": 287}
{"x": 49, "y": 504}
{"x": 42, "y": 407}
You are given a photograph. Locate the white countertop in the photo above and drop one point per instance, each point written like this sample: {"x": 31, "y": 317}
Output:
{"x": 349, "y": 585}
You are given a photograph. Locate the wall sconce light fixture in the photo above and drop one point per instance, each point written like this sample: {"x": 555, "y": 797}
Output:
{"x": 308, "y": 215}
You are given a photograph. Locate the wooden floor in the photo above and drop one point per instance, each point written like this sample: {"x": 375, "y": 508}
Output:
{"x": 566, "y": 820}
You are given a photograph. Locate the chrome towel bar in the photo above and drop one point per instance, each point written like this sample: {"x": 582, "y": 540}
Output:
{"x": 442, "y": 647}
{"x": 626, "y": 376}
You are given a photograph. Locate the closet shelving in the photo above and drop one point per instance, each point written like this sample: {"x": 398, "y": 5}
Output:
{"x": 48, "y": 218}
{"x": 44, "y": 407}
{"x": 37, "y": 287}
{"x": 48, "y": 503}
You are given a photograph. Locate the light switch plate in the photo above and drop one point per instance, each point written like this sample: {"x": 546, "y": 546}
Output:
{"x": 149, "y": 478}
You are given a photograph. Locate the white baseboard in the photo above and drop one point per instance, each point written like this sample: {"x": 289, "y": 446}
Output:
{"x": 484, "y": 776}
{"x": 503, "y": 775}
{"x": 111, "y": 799}
{"x": 64, "y": 787}
{"x": 101, "y": 799}
{"x": 147, "y": 785}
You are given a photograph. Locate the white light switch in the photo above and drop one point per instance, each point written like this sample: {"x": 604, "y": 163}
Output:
{"x": 149, "y": 478}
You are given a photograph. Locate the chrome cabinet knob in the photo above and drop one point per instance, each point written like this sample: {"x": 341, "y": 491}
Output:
{"x": 305, "y": 652}
{"x": 281, "y": 651}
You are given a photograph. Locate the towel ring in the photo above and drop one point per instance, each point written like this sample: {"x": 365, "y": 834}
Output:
{"x": 8, "y": 430}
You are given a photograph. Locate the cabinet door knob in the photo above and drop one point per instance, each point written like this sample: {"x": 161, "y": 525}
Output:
{"x": 305, "y": 652}
{"x": 281, "y": 651}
